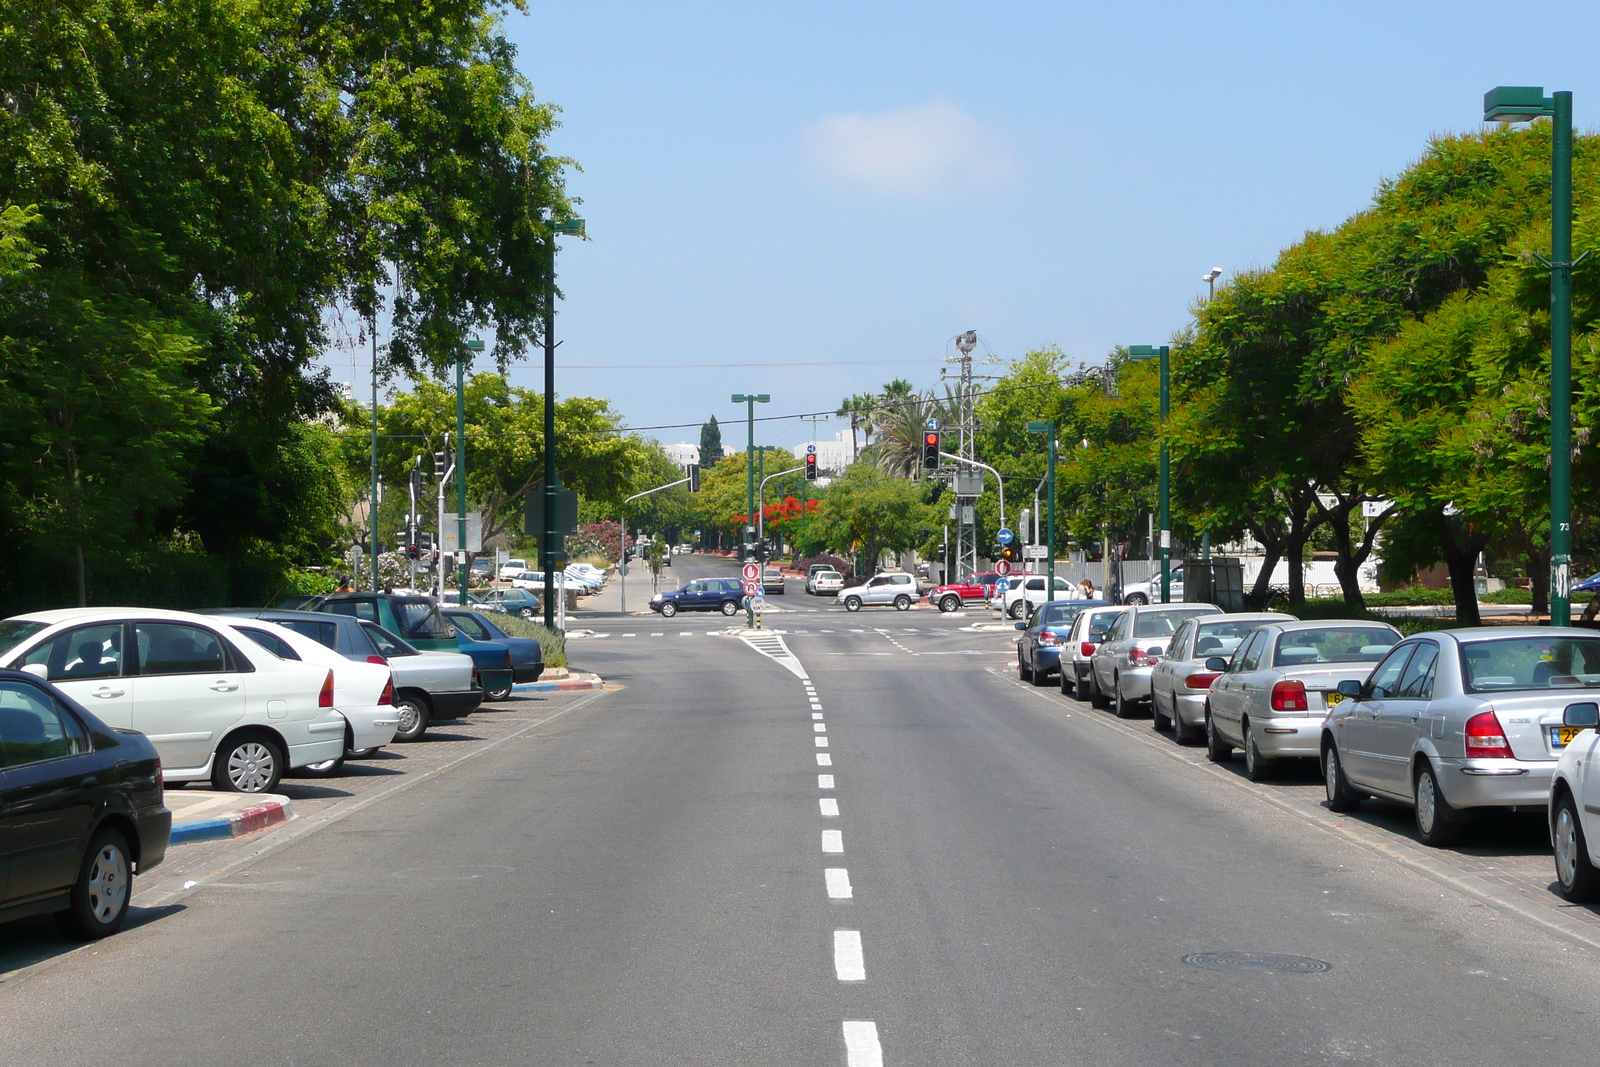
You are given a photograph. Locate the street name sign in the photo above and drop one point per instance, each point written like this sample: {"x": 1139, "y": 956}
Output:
{"x": 1034, "y": 552}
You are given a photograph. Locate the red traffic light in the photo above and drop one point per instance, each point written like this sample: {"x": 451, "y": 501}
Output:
{"x": 931, "y": 439}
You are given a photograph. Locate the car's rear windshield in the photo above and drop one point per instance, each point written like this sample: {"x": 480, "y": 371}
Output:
{"x": 1334, "y": 644}
{"x": 15, "y": 631}
{"x": 1160, "y": 623}
{"x": 1058, "y": 614}
{"x": 421, "y": 619}
{"x": 323, "y": 633}
{"x": 388, "y": 644}
{"x": 1221, "y": 638}
{"x": 1506, "y": 663}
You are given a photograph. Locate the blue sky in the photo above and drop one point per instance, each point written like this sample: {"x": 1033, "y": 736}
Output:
{"x": 853, "y": 184}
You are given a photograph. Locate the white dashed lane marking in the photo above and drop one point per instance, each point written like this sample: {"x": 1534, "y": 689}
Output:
{"x": 824, "y": 781}
{"x": 837, "y": 881}
{"x": 861, "y": 1047}
{"x": 819, "y": 727}
{"x": 824, "y": 760}
{"x": 822, "y": 742}
{"x": 829, "y": 807}
{"x": 816, "y": 715}
{"x": 848, "y": 962}
{"x": 833, "y": 841}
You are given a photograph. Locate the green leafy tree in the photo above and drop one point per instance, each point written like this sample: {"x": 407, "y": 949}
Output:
{"x": 866, "y": 513}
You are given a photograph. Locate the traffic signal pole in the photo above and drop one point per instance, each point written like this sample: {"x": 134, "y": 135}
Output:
{"x": 622, "y": 563}
{"x": 998, "y": 481}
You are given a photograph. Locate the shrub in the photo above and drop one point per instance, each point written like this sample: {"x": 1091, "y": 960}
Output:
{"x": 552, "y": 643}
{"x": 840, "y": 565}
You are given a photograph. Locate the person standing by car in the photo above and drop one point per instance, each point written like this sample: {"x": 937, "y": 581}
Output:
{"x": 1084, "y": 590}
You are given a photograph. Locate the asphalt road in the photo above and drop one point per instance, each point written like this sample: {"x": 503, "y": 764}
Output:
{"x": 642, "y": 882}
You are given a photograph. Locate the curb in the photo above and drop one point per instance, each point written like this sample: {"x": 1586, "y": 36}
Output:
{"x": 248, "y": 820}
{"x": 593, "y": 681}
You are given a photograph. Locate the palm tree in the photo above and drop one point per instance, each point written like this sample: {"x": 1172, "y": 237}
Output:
{"x": 900, "y": 427}
{"x": 859, "y": 409}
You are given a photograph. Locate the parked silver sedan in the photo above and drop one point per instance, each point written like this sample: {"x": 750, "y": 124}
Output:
{"x": 1088, "y": 630}
{"x": 1272, "y": 695}
{"x": 1119, "y": 670}
{"x": 1180, "y": 682}
{"x": 1460, "y": 720}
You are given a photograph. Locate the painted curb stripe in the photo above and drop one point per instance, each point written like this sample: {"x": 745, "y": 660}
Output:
{"x": 238, "y": 824}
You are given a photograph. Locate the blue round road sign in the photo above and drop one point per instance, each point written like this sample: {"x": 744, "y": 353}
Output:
{"x": 1003, "y": 585}
{"x": 1004, "y": 537}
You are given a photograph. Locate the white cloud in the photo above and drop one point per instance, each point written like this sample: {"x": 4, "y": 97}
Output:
{"x": 919, "y": 151}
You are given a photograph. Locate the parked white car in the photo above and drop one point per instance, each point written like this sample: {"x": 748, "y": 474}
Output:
{"x": 824, "y": 582}
{"x": 894, "y": 588}
{"x": 511, "y": 568}
{"x": 362, "y": 692}
{"x": 1150, "y": 592}
{"x": 1027, "y": 593}
{"x": 587, "y": 571}
{"x": 534, "y": 582}
{"x": 214, "y": 704}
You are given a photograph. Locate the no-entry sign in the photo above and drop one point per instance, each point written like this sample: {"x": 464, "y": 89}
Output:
{"x": 752, "y": 572}
{"x": 1002, "y": 566}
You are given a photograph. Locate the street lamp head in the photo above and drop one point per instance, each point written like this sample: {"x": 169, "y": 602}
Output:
{"x": 749, "y": 398}
{"x": 474, "y": 345}
{"x": 1516, "y": 103}
{"x": 1041, "y": 427}
{"x": 1143, "y": 351}
{"x": 967, "y": 342}
{"x": 1212, "y": 275}
{"x": 569, "y": 227}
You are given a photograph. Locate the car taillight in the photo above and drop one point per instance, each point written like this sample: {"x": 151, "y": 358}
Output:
{"x": 325, "y": 698}
{"x": 1087, "y": 648}
{"x": 1289, "y": 696}
{"x": 1200, "y": 681}
{"x": 1048, "y": 638}
{"x": 1485, "y": 737}
{"x": 161, "y": 775}
{"x": 1143, "y": 657}
{"x": 508, "y": 657}
{"x": 477, "y": 683}
{"x": 387, "y": 696}
{"x": 379, "y": 660}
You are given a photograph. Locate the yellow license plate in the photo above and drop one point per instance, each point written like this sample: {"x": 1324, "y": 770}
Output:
{"x": 1334, "y": 698}
{"x": 1563, "y": 735}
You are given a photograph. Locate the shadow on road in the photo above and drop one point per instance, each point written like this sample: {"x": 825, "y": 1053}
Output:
{"x": 29, "y": 941}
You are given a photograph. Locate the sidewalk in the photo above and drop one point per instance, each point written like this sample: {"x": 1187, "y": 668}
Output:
{"x": 205, "y": 815}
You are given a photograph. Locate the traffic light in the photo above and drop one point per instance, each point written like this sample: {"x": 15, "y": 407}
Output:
{"x": 811, "y": 466}
{"x": 930, "y": 450}
{"x": 1005, "y": 552}
{"x": 693, "y": 470}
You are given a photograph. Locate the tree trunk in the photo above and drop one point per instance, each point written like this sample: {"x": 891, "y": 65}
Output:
{"x": 1460, "y": 548}
{"x": 1539, "y": 572}
{"x": 1272, "y": 545}
{"x": 1294, "y": 547}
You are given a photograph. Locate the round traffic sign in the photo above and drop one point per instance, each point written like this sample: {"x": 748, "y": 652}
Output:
{"x": 752, "y": 588}
{"x": 1004, "y": 536}
{"x": 752, "y": 572}
{"x": 1002, "y": 586}
{"x": 758, "y": 604}
{"x": 1002, "y": 566}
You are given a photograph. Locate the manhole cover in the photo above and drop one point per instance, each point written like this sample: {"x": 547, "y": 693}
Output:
{"x": 1256, "y": 961}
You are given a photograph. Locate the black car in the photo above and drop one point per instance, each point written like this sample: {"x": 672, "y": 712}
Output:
{"x": 527, "y": 655}
{"x": 81, "y": 809}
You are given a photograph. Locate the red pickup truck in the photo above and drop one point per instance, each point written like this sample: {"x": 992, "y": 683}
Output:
{"x": 952, "y": 597}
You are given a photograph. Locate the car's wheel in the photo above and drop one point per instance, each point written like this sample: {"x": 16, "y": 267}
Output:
{"x": 902, "y": 603}
{"x": 1137, "y": 598}
{"x": 361, "y": 753}
{"x": 1340, "y": 796}
{"x": 1436, "y": 823}
{"x": 668, "y": 610}
{"x": 526, "y": 613}
{"x": 1577, "y": 877}
{"x": 501, "y": 693}
{"x": 949, "y": 604}
{"x": 1015, "y": 610}
{"x": 1041, "y": 677}
{"x": 1217, "y": 750}
{"x": 1097, "y": 698}
{"x": 326, "y": 769}
{"x": 852, "y": 603}
{"x": 413, "y": 712}
{"x": 1256, "y": 766}
{"x": 99, "y": 898}
{"x": 247, "y": 763}
{"x": 730, "y": 608}
{"x": 1122, "y": 705}
{"x": 1080, "y": 685}
{"x": 1182, "y": 732}
{"x": 1024, "y": 671}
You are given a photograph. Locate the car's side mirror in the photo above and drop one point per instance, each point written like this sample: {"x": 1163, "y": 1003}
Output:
{"x": 1583, "y": 715}
{"x": 1216, "y": 664}
{"x": 1349, "y": 688}
{"x": 1022, "y": 626}
{"x": 38, "y": 670}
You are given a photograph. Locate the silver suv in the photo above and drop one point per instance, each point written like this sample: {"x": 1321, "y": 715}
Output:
{"x": 897, "y": 588}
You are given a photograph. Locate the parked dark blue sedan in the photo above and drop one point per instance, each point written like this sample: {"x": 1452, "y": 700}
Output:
{"x": 1039, "y": 647}
{"x": 527, "y": 656}
{"x": 81, "y": 809}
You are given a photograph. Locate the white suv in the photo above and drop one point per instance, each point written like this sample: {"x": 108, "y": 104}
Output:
{"x": 1027, "y": 593}
{"x": 897, "y": 588}
{"x": 215, "y": 704}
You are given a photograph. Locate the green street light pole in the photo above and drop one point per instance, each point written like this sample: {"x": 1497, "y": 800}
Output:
{"x": 750, "y": 400}
{"x": 471, "y": 347}
{"x": 1147, "y": 352}
{"x": 1050, "y": 508}
{"x": 552, "y": 481}
{"x": 1522, "y": 103}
